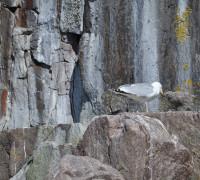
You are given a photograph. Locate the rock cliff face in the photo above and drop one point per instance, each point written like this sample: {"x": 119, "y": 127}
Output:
{"x": 60, "y": 57}
{"x": 29, "y": 153}
{"x": 139, "y": 147}
{"x": 38, "y": 57}
{"x": 184, "y": 127}
{"x": 83, "y": 168}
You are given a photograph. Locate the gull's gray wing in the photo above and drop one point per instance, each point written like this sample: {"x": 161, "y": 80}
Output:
{"x": 140, "y": 89}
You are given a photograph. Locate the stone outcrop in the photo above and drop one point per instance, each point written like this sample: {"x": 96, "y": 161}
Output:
{"x": 139, "y": 41}
{"x": 29, "y": 153}
{"x": 59, "y": 58}
{"x": 37, "y": 61}
{"x": 139, "y": 147}
{"x": 180, "y": 101}
{"x": 82, "y": 168}
{"x": 184, "y": 127}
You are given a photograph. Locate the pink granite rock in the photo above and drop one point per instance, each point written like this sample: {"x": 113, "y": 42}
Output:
{"x": 83, "y": 168}
{"x": 139, "y": 147}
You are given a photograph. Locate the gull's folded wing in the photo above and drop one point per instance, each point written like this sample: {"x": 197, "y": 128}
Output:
{"x": 140, "y": 90}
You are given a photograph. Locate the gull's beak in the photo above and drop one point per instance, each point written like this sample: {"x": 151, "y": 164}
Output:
{"x": 161, "y": 92}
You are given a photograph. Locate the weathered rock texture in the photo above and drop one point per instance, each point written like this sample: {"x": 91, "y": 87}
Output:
{"x": 29, "y": 153}
{"x": 59, "y": 58}
{"x": 82, "y": 168}
{"x": 37, "y": 61}
{"x": 180, "y": 101}
{"x": 184, "y": 127}
{"x": 139, "y": 147}
{"x": 138, "y": 41}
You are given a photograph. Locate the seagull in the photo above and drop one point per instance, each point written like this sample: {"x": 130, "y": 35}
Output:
{"x": 141, "y": 92}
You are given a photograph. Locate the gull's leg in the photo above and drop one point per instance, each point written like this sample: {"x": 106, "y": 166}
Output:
{"x": 146, "y": 103}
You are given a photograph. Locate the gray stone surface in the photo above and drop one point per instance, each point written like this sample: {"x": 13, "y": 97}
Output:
{"x": 37, "y": 65}
{"x": 180, "y": 101}
{"x": 184, "y": 128}
{"x": 30, "y": 153}
{"x": 82, "y": 168}
{"x": 71, "y": 16}
{"x": 139, "y": 45}
{"x": 139, "y": 147}
{"x": 60, "y": 58}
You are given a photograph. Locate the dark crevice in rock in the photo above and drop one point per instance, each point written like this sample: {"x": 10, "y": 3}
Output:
{"x": 14, "y": 8}
{"x": 194, "y": 154}
{"x": 29, "y": 94}
{"x": 35, "y": 10}
{"x": 11, "y": 9}
{"x": 76, "y": 94}
{"x": 51, "y": 132}
{"x": 115, "y": 112}
{"x": 41, "y": 64}
{"x": 86, "y": 17}
{"x": 28, "y": 32}
{"x": 59, "y": 5}
{"x": 30, "y": 162}
{"x": 50, "y": 71}
{"x": 171, "y": 5}
{"x": 12, "y": 58}
{"x": 74, "y": 40}
{"x": 22, "y": 78}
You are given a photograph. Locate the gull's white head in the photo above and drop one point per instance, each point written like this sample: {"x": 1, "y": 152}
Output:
{"x": 158, "y": 87}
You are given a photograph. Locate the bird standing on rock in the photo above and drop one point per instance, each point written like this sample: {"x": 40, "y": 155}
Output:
{"x": 141, "y": 92}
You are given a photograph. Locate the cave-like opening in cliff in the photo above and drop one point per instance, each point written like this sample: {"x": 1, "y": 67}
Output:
{"x": 73, "y": 40}
{"x": 76, "y": 94}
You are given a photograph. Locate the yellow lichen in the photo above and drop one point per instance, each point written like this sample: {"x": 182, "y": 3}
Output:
{"x": 163, "y": 106}
{"x": 16, "y": 158}
{"x": 194, "y": 87}
{"x": 108, "y": 95}
{"x": 194, "y": 97}
{"x": 178, "y": 88}
{"x": 112, "y": 100}
{"x": 12, "y": 152}
{"x": 163, "y": 103}
{"x": 131, "y": 18}
{"x": 189, "y": 82}
{"x": 181, "y": 29}
{"x": 183, "y": 83}
{"x": 61, "y": 149}
{"x": 185, "y": 67}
